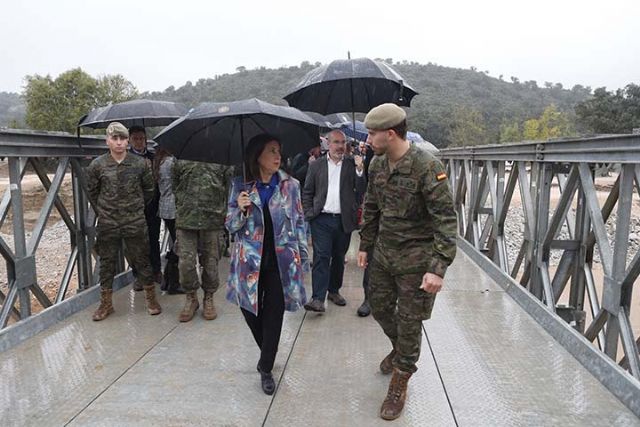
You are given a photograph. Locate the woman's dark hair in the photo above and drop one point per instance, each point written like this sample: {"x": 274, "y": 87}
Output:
{"x": 158, "y": 158}
{"x": 254, "y": 149}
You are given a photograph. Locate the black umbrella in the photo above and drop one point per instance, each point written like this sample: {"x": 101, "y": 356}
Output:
{"x": 330, "y": 121}
{"x": 139, "y": 112}
{"x": 355, "y": 85}
{"x": 217, "y": 132}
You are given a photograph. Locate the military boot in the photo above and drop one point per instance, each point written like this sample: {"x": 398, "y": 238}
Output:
{"x": 106, "y": 305}
{"x": 396, "y": 395}
{"x": 190, "y": 307}
{"x": 208, "y": 309}
{"x": 153, "y": 307}
{"x": 386, "y": 366}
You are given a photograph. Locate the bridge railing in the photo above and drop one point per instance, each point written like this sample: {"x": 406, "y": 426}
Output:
{"x": 543, "y": 215}
{"x": 38, "y": 154}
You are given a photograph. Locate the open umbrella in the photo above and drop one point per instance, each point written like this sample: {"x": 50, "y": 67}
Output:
{"x": 138, "y": 112}
{"x": 217, "y": 132}
{"x": 354, "y": 85}
{"x": 330, "y": 121}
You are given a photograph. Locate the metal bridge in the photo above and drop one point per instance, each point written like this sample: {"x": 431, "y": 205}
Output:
{"x": 535, "y": 326}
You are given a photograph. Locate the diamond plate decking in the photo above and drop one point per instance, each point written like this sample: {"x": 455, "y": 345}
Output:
{"x": 485, "y": 362}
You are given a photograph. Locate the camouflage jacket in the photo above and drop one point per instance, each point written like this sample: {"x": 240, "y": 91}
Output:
{"x": 200, "y": 191}
{"x": 119, "y": 192}
{"x": 409, "y": 214}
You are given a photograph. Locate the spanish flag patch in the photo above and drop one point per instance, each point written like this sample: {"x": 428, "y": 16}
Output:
{"x": 441, "y": 176}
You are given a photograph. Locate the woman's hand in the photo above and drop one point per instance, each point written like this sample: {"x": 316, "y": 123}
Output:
{"x": 243, "y": 201}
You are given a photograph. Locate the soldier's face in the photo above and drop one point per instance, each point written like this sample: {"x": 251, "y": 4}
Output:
{"x": 138, "y": 141}
{"x": 379, "y": 141}
{"x": 117, "y": 144}
{"x": 270, "y": 157}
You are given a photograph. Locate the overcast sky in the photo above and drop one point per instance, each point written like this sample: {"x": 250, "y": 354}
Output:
{"x": 160, "y": 43}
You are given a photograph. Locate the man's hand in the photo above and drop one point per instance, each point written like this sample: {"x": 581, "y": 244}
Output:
{"x": 430, "y": 282}
{"x": 358, "y": 161}
{"x": 362, "y": 259}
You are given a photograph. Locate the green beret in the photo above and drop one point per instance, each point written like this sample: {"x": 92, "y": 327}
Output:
{"x": 385, "y": 116}
{"x": 117, "y": 129}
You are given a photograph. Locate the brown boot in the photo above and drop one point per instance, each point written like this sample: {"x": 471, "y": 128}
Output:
{"x": 386, "y": 366}
{"x": 190, "y": 307}
{"x": 153, "y": 307}
{"x": 208, "y": 309}
{"x": 396, "y": 395}
{"x": 106, "y": 305}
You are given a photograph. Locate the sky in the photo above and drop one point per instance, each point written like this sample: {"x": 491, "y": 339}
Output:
{"x": 156, "y": 44}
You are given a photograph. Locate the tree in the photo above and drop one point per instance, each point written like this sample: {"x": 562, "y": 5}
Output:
{"x": 59, "y": 104}
{"x": 551, "y": 124}
{"x": 611, "y": 112}
{"x": 468, "y": 127}
{"x": 510, "y": 132}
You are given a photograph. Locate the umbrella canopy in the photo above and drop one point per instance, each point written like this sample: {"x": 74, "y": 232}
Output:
{"x": 355, "y": 85}
{"x": 138, "y": 112}
{"x": 217, "y": 132}
{"x": 361, "y": 135}
{"x": 330, "y": 121}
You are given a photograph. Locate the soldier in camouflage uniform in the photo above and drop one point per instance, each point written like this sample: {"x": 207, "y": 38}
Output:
{"x": 200, "y": 191}
{"x": 410, "y": 223}
{"x": 120, "y": 185}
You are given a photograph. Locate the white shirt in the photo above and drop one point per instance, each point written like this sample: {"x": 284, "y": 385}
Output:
{"x": 332, "y": 205}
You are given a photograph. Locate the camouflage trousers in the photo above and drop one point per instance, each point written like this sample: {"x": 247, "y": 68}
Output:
{"x": 205, "y": 246}
{"x": 136, "y": 251}
{"x": 399, "y": 306}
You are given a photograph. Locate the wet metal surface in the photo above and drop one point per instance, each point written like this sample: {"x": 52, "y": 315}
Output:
{"x": 493, "y": 366}
{"x": 499, "y": 367}
{"x": 348, "y": 389}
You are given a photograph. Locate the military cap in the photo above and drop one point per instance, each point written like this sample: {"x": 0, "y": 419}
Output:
{"x": 117, "y": 129}
{"x": 384, "y": 117}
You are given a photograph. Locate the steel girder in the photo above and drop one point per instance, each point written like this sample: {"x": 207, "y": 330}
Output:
{"x": 573, "y": 223}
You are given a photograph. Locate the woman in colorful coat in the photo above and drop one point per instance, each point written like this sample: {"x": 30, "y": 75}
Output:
{"x": 269, "y": 254}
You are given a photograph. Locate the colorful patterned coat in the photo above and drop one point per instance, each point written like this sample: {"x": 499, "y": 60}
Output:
{"x": 290, "y": 240}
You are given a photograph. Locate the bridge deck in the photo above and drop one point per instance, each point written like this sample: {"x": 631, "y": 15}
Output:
{"x": 484, "y": 362}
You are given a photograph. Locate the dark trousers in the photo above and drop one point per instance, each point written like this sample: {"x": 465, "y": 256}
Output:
{"x": 153, "y": 231}
{"x": 330, "y": 245}
{"x": 170, "y": 225}
{"x": 267, "y": 325}
{"x": 153, "y": 227}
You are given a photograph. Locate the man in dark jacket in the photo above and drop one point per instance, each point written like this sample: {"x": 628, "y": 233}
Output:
{"x": 138, "y": 139}
{"x": 330, "y": 199}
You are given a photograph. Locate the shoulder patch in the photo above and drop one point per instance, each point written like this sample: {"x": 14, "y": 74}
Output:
{"x": 441, "y": 176}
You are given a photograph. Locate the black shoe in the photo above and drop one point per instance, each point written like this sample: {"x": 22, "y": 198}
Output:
{"x": 268, "y": 384}
{"x": 337, "y": 299}
{"x": 365, "y": 309}
{"x": 177, "y": 291}
{"x": 315, "y": 305}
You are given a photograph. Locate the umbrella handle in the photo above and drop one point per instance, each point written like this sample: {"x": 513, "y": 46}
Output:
{"x": 400, "y": 98}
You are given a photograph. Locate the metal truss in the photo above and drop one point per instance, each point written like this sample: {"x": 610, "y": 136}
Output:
{"x": 574, "y": 224}
{"x": 29, "y": 149}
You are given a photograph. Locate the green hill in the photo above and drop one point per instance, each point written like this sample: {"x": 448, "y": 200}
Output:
{"x": 449, "y": 97}
{"x": 443, "y": 90}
